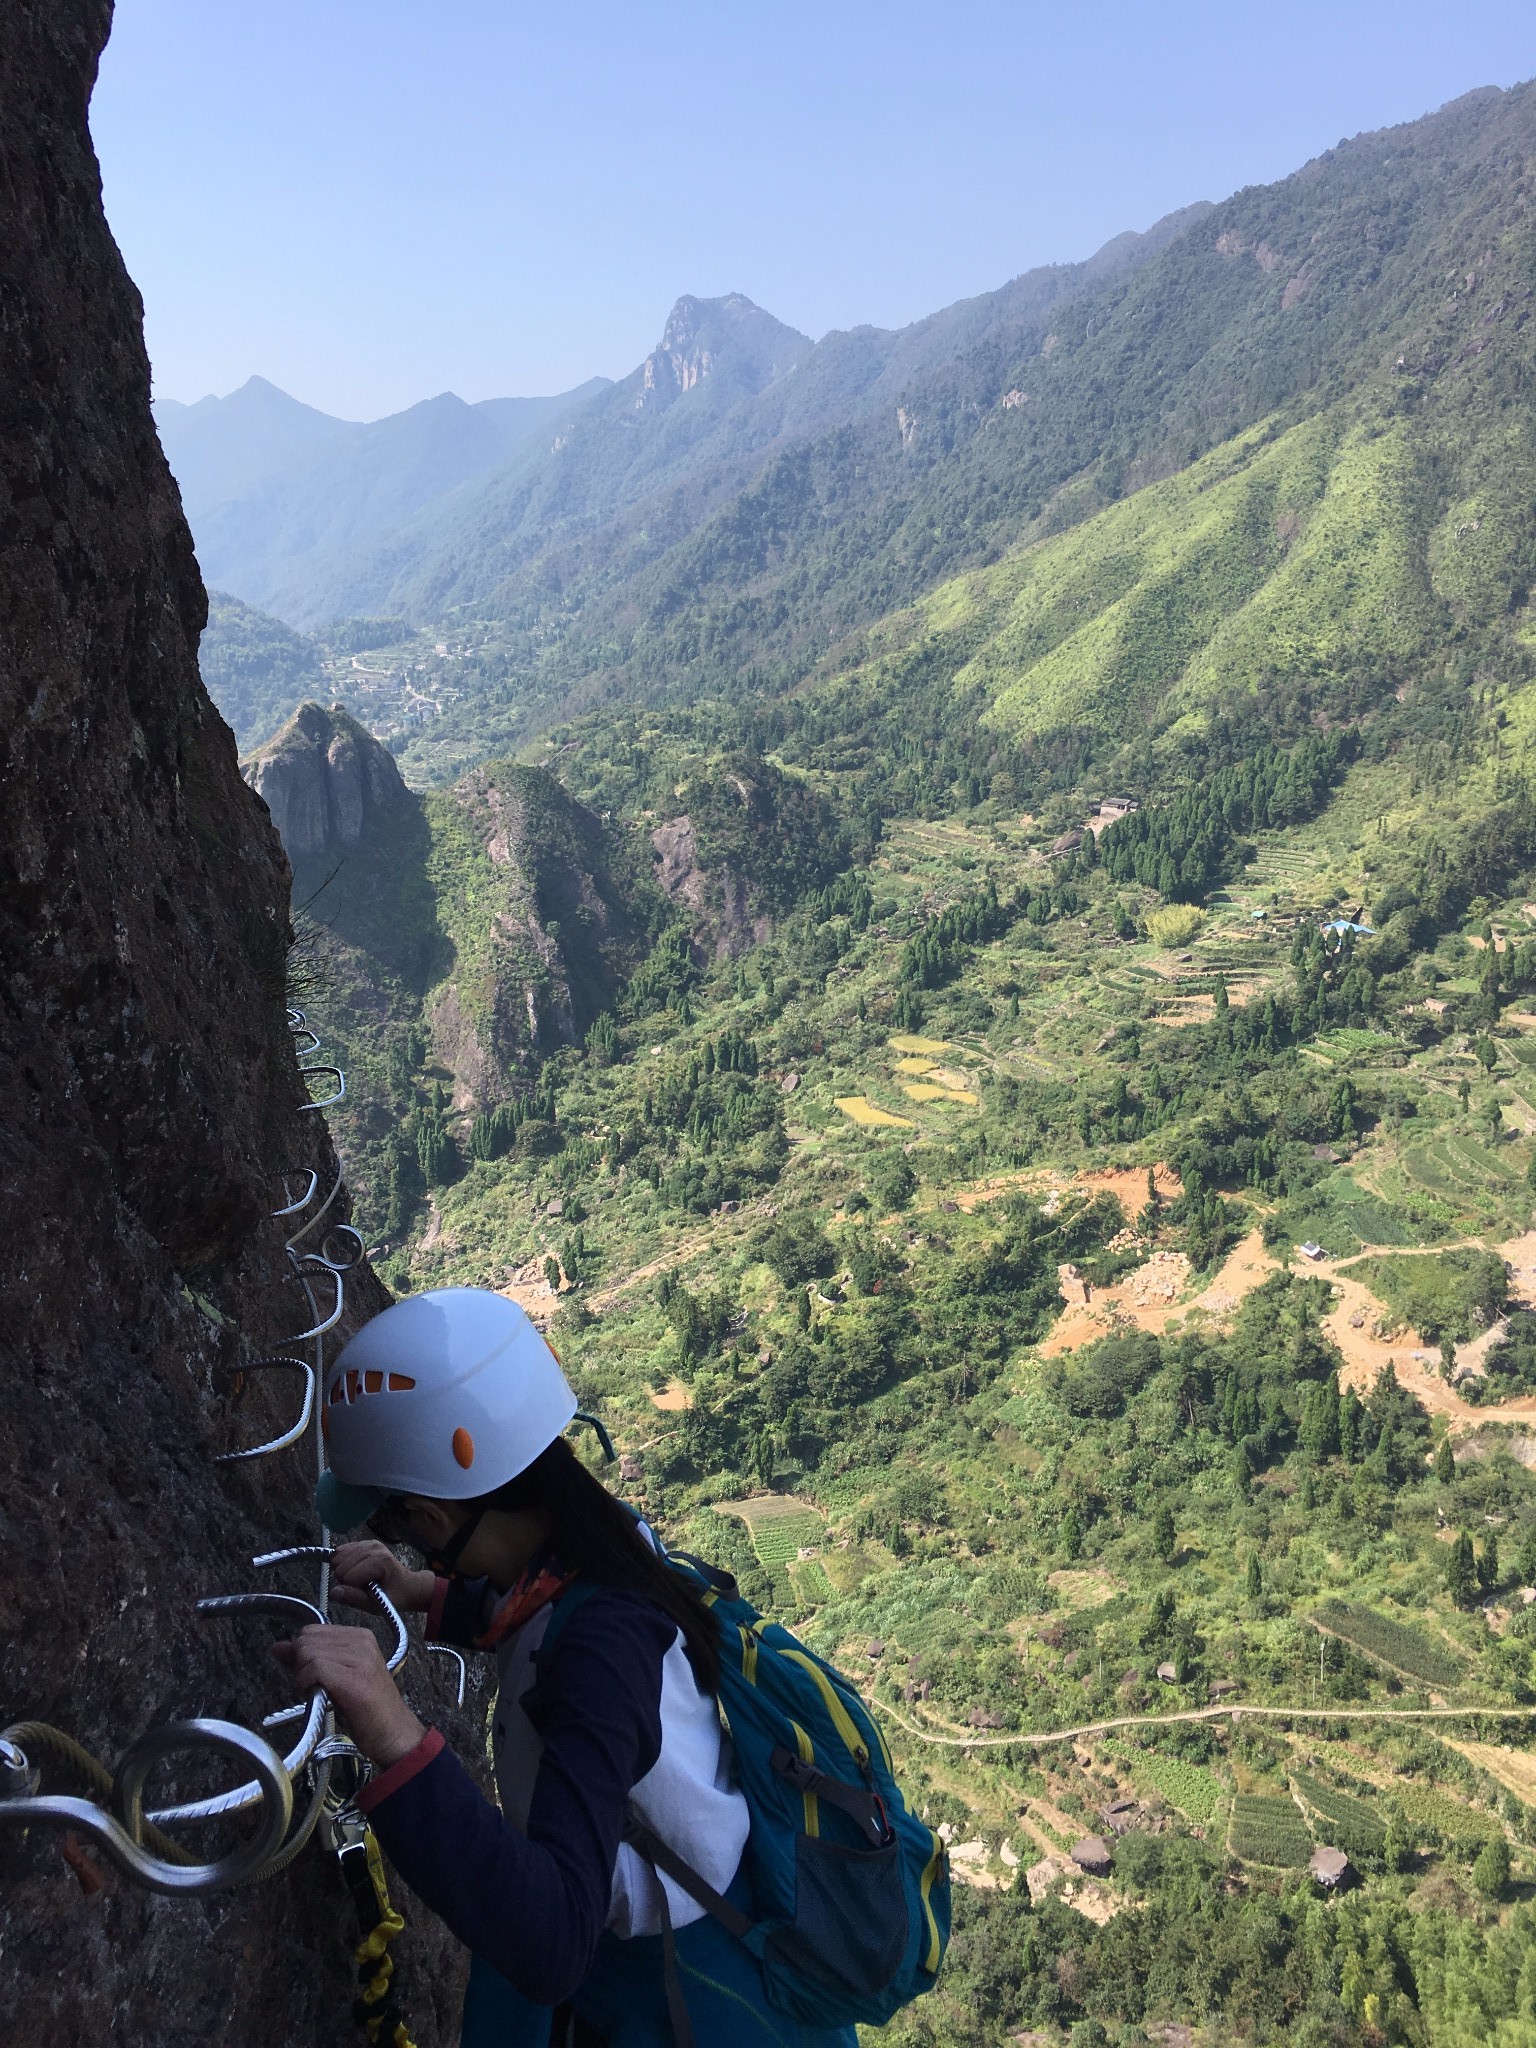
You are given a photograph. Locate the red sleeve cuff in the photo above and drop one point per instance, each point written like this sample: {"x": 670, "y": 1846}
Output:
{"x": 401, "y": 1772}
{"x": 435, "y": 1609}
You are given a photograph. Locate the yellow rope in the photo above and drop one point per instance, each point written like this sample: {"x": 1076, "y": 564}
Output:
{"x": 374, "y": 1948}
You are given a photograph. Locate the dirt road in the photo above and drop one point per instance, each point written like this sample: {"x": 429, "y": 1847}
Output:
{"x": 1035, "y": 1740}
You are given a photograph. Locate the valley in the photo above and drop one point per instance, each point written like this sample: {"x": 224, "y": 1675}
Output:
{"x": 980, "y": 983}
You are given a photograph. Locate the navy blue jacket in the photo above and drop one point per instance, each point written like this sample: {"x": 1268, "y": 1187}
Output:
{"x": 534, "y": 1906}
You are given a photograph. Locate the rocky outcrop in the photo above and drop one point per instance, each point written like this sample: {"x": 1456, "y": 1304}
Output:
{"x": 719, "y": 905}
{"x": 152, "y": 1103}
{"x": 327, "y": 782}
{"x": 542, "y": 926}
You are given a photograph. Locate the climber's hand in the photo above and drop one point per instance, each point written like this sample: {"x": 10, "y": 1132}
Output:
{"x": 350, "y": 1665}
{"x": 354, "y": 1564}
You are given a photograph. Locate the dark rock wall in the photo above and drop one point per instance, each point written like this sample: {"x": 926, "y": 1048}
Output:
{"x": 150, "y": 1103}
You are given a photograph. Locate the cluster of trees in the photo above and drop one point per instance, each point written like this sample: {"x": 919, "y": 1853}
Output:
{"x": 1186, "y": 845}
{"x": 818, "y": 1391}
{"x": 527, "y": 1121}
{"x": 936, "y": 953}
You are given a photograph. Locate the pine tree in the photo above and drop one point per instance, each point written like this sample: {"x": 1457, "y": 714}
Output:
{"x": 1255, "y": 1576}
{"x": 1445, "y": 1461}
{"x": 1165, "y": 1537}
{"x": 1461, "y": 1572}
{"x": 1488, "y": 1563}
{"x": 1490, "y": 1873}
{"x": 1525, "y": 1561}
{"x": 1319, "y": 1431}
{"x": 1351, "y": 1416}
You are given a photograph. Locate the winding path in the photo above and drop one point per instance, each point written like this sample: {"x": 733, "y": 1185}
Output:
{"x": 1032, "y": 1740}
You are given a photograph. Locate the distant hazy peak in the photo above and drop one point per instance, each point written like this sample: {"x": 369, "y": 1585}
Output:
{"x": 703, "y": 336}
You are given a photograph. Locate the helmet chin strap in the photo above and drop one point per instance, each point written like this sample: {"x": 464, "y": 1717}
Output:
{"x": 610, "y": 1455}
{"x": 444, "y": 1559}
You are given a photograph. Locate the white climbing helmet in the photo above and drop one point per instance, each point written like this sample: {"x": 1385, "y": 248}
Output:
{"x": 448, "y": 1394}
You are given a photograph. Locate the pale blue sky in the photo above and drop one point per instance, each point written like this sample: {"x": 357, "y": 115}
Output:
{"x": 370, "y": 201}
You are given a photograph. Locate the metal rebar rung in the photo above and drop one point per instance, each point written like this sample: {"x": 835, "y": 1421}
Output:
{"x": 300, "y": 1262}
{"x": 447, "y": 1650}
{"x": 117, "y": 1833}
{"x": 289, "y": 1436}
{"x": 326, "y": 1101}
{"x": 322, "y": 1553}
{"x": 290, "y": 1607}
{"x": 304, "y": 1200}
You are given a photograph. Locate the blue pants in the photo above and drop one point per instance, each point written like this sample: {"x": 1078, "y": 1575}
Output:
{"x": 623, "y": 1997}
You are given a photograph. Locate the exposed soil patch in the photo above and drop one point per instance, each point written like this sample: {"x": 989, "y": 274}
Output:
{"x": 533, "y": 1293}
{"x": 1150, "y": 1298}
{"x": 1352, "y": 1320}
{"x": 1130, "y": 1184}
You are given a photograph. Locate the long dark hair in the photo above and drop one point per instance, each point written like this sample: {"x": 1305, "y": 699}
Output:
{"x": 592, "y": 1532}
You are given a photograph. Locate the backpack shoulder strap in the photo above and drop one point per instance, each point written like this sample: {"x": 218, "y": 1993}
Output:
{"x": 562, "y": 1607}
{"x": 645, "y": 1841}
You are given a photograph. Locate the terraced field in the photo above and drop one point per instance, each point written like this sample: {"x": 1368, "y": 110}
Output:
{"x": 1394, "y": 1643}
{"x": 1340, "y": 1819}
{"x": 1269, "y": 1831}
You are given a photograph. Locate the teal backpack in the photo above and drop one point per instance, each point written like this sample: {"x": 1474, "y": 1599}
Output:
{"x": 850, "y": 1890}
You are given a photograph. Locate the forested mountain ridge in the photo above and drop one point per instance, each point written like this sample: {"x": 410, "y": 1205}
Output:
{"x": 1271, "y": 307}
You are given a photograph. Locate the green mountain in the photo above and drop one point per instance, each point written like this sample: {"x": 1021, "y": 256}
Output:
{"x": 1269, "y": 308}
{"x": 256, "y": 669}
{"x": 1000, "y": 1036}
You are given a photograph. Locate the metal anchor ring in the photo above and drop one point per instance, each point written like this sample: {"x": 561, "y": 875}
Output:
{"x": 116, "y": 1833}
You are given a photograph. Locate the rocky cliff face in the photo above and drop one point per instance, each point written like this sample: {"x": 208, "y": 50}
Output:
{"x": 542, "y": 927}
{"x": 152, "y": 1105}
{"x": 327, "y": 782}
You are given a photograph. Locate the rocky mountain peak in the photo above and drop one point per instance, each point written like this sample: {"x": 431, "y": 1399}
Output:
{"x": 727, "y": 336}
{"x": 327, "y": 781}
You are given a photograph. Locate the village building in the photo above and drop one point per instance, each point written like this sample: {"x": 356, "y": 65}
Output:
{"x": 1331, "y": 1868}
{"x": 1120, "y": 1815}
{"x": 1093, "y": 1854}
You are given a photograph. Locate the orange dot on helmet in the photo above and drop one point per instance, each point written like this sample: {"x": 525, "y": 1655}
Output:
{"x": 464, "y": 1448}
